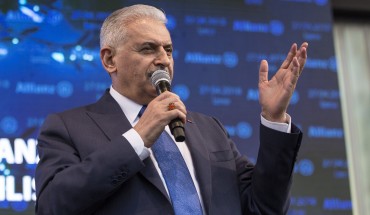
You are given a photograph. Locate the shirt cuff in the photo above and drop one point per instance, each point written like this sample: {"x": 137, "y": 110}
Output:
{"x": 279, "y": 126}
{"x": 137, "y": 143}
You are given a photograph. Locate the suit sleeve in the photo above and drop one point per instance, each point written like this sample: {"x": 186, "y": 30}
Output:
{"x": 67, "y": 184}
{"x": 266, "y": 190}
{"x": 264, "y": 187}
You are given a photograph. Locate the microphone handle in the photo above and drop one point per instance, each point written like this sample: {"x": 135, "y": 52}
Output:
{"x": 176, "y": 125}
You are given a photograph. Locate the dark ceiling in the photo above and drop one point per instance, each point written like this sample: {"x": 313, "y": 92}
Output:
{"x": 351, "y": 9}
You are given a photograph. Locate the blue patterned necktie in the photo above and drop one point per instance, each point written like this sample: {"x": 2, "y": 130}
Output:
{"x": 184, "y": 196}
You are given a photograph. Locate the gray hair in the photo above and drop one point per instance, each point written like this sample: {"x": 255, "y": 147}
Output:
{"x": 114, "y": 28}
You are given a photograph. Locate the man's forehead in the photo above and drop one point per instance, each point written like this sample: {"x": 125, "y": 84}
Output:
{"x": 146, "y": 24}
{"x": 149, "y": 31}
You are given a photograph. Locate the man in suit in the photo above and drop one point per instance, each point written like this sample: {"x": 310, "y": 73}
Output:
{"x": 100, "y": 158}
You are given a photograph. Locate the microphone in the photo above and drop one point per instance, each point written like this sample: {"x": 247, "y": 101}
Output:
{"x": 162, "y": 82}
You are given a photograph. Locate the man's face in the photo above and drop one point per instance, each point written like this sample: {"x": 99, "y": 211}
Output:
{"x": 147, "y": 48}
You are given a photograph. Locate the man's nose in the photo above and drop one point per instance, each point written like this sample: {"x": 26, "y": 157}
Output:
{"x": 162, "y": 58}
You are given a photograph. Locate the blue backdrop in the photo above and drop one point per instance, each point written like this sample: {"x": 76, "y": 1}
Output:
{"x": 49, "y": 62}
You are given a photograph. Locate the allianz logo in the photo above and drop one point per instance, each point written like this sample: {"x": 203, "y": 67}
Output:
{"x": 275, "y": 27}
{"x": 63, "y": 89}
{"x": 315, "y": 63}
{"x": 325, "y": 132}
{"x": 229, "y": 59}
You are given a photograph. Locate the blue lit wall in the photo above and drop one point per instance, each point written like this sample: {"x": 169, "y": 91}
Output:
{"x": 49, "y": 62}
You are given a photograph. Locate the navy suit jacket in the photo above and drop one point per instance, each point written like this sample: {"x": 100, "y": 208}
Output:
{"x": 87, "y": 167}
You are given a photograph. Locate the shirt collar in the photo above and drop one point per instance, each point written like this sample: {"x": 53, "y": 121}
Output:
{"x": 130, "y": 108}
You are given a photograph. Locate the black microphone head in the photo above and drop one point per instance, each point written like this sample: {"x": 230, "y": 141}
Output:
{"x": 160, "y": 75}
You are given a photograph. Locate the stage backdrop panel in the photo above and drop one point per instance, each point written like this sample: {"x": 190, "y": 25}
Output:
{"x": 49, "y": 62}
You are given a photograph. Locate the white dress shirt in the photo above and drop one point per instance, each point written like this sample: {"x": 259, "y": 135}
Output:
{"x": 131, "y": 111}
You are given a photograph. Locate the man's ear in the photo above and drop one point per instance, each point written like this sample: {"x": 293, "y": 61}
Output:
{"x": 106, "y": 56}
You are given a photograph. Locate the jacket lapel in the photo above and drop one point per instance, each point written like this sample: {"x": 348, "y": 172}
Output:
{"x": 201, "y": 162}
{"x": 108, "y": 115}
{"x": 151, "y": 174}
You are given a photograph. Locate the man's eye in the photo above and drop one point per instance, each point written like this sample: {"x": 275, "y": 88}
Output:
{"x": 169, "y": 50}
{"x": 145, "y": 49}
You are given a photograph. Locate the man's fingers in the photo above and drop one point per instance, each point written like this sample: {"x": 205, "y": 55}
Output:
{"x": 292, "y": 53}
{"x": 263, "y": 72}
{"x": 166, "y": 95}
{"x": 167, "y": 106}
{"x": 295, "y": 70}
{"x": 173, "y": 109}
{"x": 296, "y": 65}
{"x": 178, "y": 105}
{"x": 304, "y": 44}
{"x": 302, "y": 56}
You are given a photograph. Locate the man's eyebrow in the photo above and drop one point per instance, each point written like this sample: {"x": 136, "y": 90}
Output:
{"x": 151, "y": 43}
{"x": 154, "y": 44}
{"x": 168, "y": 44}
